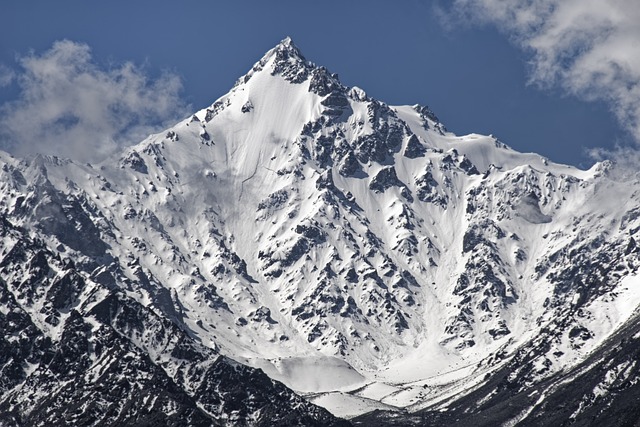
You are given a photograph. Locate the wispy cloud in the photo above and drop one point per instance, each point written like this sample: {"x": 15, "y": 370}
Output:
{"x": 589, "y": 48}
{"x": 7, "y": 75}
{"x": 71, "y": 107}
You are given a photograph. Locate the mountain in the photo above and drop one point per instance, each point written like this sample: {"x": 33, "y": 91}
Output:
{"x": 300, "y": 236}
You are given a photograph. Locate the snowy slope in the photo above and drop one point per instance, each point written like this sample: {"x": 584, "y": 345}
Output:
{"x": 350, "y": 249}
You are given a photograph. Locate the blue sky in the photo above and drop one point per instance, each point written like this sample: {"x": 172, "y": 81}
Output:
{"x": 483, "y": 66}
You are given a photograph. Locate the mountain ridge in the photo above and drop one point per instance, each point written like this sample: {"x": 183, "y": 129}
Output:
{"x": 357, "y": 252}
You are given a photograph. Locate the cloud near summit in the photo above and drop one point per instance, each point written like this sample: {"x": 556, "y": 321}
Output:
{"x": 71, "y": 107}
{"x": 589, "y": 48}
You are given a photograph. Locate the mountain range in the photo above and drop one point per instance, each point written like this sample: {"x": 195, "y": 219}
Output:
{"x": 299, "y": 253}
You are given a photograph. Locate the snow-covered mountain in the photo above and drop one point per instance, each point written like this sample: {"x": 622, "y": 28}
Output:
{"x": 358, "y": 253}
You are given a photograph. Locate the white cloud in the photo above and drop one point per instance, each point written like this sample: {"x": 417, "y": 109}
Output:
{"x": 69, "y": 106}
{"x": 590, "y": 48}
{"x": 6, "y": 75}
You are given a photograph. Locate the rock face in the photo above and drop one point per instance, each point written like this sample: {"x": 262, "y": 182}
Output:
{"x": 78, "y": 352}
{"x": 356, "y": 252}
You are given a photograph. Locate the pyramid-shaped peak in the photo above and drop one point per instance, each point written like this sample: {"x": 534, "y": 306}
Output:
{"x": 287, "y": 42}
{"x": 287, "y": 50}
{"x": 286, "y": 59}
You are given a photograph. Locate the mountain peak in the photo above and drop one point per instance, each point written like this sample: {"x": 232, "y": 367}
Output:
{"x": 286, "y": 59}
{"x": 288, "y": 44}
{"x": 335, "y": 242}
{"x": 286, "y": 49}
{"x": 289, "y": 61}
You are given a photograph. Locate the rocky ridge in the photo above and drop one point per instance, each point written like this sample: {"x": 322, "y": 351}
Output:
{"x": 358, "y": 252}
